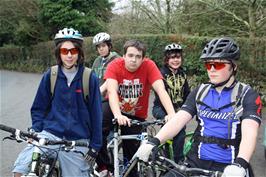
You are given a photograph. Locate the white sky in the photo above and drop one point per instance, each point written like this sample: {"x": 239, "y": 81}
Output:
{"x": 120, "y": 5}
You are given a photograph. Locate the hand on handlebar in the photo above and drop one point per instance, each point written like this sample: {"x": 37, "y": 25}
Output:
{"x": 90, "y": 157}
{"x": 234, "y": 170}
{"x": 123, "y": 120}
{"x": 146, "y": 149}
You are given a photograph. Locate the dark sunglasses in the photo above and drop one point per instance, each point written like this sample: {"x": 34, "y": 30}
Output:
{"x": 73, "y": 51}
{"x": 216, "y": 65}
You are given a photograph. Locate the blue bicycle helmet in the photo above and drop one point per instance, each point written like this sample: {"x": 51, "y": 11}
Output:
{"x": 68, "y": 34}
{"x": 221, "y": 48}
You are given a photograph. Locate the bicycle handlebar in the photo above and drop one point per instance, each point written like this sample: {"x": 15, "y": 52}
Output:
{"x": 143, "y": 123}
{"x": 18, "y": 134}
{"x": 190, "y": 171}
{"x": 162, "y": 162}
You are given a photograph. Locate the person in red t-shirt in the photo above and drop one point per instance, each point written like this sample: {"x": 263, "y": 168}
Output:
{"x": 129, "y": 80}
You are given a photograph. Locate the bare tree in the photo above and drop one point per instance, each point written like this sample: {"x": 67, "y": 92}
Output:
{"x": 253, "y": 15}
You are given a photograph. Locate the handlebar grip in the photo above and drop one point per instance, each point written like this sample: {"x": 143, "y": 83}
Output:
{"x": 7, "y": 129}
{"x": 22, "y": 133}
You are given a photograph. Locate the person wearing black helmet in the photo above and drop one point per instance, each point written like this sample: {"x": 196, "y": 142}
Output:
{"x": 228, "y": 114}
{"x": 103, "y": 43}
{"x": 66, "y": 114}
{"x": 176, "y": 84}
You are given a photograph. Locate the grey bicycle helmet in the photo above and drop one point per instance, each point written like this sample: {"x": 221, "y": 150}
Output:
{"x": 221, "y": 48}
{"x": 68, "y": 34}
{"x": 100, "y": 38}
{"x": 172, "y": 46}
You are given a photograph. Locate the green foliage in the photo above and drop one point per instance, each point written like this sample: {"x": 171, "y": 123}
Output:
{"x": 28, "y": 22}
{"x": 89, "y": 17}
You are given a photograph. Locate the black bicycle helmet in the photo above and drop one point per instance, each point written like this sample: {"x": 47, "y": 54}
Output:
{"x": 68, "y": 34}
{"x": 221, "y": 48}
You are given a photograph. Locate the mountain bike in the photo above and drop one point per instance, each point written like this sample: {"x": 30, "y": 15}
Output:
{"x": 44, "y": 163}
{"x": 161, "y": 165}
{"x": 115, "y": 144}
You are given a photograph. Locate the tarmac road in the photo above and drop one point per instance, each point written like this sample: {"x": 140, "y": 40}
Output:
{"x": 17, "y": 94}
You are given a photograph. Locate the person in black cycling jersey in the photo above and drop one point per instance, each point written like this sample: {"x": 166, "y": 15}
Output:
{"x": 226, "y": 135}
{"x": 176, "y": 84}
{"x": 66, "y": 115}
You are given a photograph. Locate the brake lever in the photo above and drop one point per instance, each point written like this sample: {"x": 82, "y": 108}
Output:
{"x": 11, "y": 137}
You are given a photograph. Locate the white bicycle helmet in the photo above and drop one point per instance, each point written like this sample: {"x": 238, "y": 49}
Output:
{"x": 100, "y": 38}
{"x": 68, "y": 34}
{"x": 173, "y": 46}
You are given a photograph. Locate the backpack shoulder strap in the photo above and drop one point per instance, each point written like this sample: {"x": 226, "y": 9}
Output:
{"x": 53, "y": 77}
{"x": 238, "y": 93}
{"x": 202, "y": 92}
{"x": 86, "y": 82}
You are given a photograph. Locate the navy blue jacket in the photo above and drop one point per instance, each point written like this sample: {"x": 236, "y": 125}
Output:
{"x": 67, "y": 115}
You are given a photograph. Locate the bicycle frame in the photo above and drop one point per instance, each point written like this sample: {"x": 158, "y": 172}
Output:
{"x": 117, "y": 137}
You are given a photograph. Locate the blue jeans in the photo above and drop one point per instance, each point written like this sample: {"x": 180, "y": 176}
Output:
{"x": 71, "y": 163}
{"x": 178, "y": 140}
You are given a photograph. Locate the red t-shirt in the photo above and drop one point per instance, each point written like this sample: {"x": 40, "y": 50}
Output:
{"x": 133, "y": 87}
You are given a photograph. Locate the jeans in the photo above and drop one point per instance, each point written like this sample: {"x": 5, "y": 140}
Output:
{"x": 178, "y": 140}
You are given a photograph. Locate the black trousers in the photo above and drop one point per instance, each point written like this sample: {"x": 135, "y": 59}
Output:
{"x": 129, "y": 146}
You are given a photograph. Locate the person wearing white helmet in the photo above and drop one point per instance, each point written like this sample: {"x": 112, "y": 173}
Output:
{"x": 66, "y": 114}
{"x": 103, "y": 43}
{"x": 176, "y": 84}
{"x": 228, "y": 113}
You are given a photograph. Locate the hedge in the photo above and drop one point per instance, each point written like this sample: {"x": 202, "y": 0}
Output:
{"x": 251, "y": 65}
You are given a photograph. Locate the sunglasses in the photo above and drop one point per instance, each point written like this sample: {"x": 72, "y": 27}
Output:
{"x": 216, "y": 65}
{"x": 65, "y": 51}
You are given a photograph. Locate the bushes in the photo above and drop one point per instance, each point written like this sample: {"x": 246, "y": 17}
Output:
{"x": 251, "y": 66}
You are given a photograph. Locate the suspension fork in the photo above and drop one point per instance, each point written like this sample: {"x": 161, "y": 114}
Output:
{"x": 36, "y": 157}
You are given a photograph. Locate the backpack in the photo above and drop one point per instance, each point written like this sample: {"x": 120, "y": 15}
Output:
{"x": 85, "y": 80}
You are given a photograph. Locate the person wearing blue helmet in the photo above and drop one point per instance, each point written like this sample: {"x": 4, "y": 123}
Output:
{"x": 64, "y": 113}
{"x": 228, "y": 113}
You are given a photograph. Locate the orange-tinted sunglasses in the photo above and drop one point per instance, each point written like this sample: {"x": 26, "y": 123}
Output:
{"x": 73, "y": 51}
{"x": 216, "y": 65}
